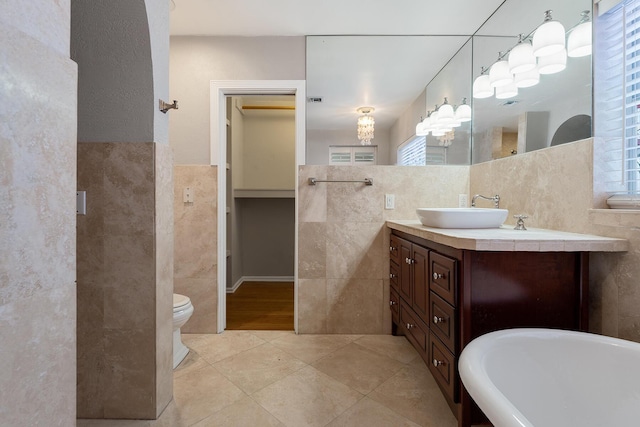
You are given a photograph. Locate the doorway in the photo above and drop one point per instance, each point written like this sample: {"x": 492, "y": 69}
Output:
{"x": 220, "y": 92}
{"x": 260, "y": 211}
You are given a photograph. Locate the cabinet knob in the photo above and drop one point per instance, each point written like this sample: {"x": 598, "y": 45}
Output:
{"x": 392, "y": 303}
{"x": 392, "y": 276}
{"x": 437, "y": 276}
{"x": 409, "y": 326}
{"x": 392, "y": 248}
{"x": 409, "y": 260}
{"x": 437, "y": 362}
{"x": 437, "y": 319}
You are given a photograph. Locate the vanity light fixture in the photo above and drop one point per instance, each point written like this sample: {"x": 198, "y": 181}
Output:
{"x": 507, "y": 91}
{"x": 527, "y": 79}
{"x": 579, "y": 41}
{"x": 463, "y": 112}
{"x": 521, "y": 57}
{"x": 421, "y": 128}
{"x": 549, "y": 37}
{"x": 482, "y": 86}
{"x": 365, "y": 125}
{"x": 553, "y": 63}
{"x": 446, "y": 116}
{"x": 499, "y": 74}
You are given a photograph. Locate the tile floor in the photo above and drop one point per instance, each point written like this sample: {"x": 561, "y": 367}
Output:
{"x": 277, "y": 378}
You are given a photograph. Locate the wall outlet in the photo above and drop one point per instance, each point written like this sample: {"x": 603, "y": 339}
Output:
{"x": 463, "y": 200}
{"x": 187, "y": 195}
{"x": 389, "y": 201}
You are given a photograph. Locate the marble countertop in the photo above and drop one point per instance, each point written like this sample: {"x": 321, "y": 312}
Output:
{"x": 509, "y": 240}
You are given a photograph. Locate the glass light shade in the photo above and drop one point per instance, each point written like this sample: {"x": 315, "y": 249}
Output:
{"x": 527, "y": 79}
{"x": 463, "y": 113}
{"x": 427, "y": 124}
{"x": 579, "y": 42}
{"x": 445, "y": 115}
{"x": 499, "y": 74}
{"x": 552, "y": 64}
{"x": 456, "y": 123}
{"x": 506, "y": 91}
{"x": 481, "y": 87}
{"x": 548, "y": 38}
{"x": 438, "y": 132}
{"x": 521, "y": 58}
{"x": 420, "y": 130}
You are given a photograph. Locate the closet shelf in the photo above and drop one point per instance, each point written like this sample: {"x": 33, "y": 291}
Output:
{"x": 263, "y": 194}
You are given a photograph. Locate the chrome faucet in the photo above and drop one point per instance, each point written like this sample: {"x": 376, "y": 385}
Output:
{"x": 495, "y": 199}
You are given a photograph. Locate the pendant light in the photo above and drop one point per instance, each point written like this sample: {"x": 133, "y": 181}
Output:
{"x": 499, "y": 74}
{"x": 549, "y": 36}
{"x": 507, "y": 91}
{"x": 521, "y": 57}
{"x": 420, "y": 129}
{"x": 481, "y": 85}
{"x": 527, "y": 79}
{"x": 579, "y": 41}
{"x": 445, "y": 114}
{"x": 554, "y": 63}
{"x": 463, "y": 112}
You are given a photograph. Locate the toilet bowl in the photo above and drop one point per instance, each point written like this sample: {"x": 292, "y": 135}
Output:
{"x": 182, "y": 311}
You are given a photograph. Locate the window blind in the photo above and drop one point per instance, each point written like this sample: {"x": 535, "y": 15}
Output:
{"x": 413, "y": 153}
{"x": 617, "y": 94}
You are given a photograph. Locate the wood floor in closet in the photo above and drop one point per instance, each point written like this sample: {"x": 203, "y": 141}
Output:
{"x": 261, "y": 306}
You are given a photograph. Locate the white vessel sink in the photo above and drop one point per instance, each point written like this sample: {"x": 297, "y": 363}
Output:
{"x": 553, "y": 378}
{"x": 462, "y": 217}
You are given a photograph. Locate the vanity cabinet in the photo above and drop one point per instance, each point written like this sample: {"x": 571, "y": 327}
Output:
{"x": 442, "y": 297}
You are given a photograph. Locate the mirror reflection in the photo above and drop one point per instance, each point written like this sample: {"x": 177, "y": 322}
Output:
{"x": 394, "y": 75}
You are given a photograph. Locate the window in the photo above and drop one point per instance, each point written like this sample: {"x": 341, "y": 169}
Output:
{"x": 352, "y": 154}
{"x": 617, "y": 93}
{"x": 416, "y": 152}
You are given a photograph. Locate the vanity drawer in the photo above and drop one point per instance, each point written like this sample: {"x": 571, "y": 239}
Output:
{"x": 443, "y": 321}
{"x": 416, "y": 331}
{"x": 394, "y": 274}
{"x": 394, "y": 249}
{"x": 394, "y": 305}
{"x": 442, "y": 280}
{"x": 442, "y": 367}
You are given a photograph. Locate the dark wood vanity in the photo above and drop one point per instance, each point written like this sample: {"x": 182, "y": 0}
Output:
{"x": 442, "y": 297}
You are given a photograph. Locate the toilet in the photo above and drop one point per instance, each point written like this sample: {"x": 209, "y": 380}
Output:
{"x": 182, "y": 311}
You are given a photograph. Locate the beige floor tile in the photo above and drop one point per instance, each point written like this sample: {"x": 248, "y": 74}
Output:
{"x": 306, "y": 398}
{"x": 414, "y": 393}
{"x": 310, "y": 348}
{"x": 258, "y": 367}
{"x": 200, "y": 393}
{"x": 244, "y": 413}
{"x": 112, "y": 423}
{"x": 215, "y": 347}
{"x": 192, "y": 362}
{"x": 358, "y": 367}
{"x": 397, "y": 348}
{"x": 272, "y": 335}
{"x": 371, "y": 414}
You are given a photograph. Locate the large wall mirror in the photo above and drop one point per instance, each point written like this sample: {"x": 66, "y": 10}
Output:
{"x": 395, "y": 75}
{"x": 556, "y": 110}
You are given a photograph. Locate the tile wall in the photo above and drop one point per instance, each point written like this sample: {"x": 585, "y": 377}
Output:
{"x": 124, "y": 276}
{"x": 37, "y": 216}
{"x": 195, "y": 246}
{"x": 557, "y": 188}
{"x": 343, "y": 277}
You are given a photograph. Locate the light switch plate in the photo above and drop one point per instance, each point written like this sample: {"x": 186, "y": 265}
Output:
{"x": 462, "y": 200}
{"x": 389, "y": 201}
{"x": 81, "y": 202}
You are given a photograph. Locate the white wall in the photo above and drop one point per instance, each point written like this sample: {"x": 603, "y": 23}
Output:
{"x": 195, "y": 61}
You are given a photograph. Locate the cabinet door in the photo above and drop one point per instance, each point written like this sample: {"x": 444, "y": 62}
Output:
{"x": 394, "y": 249}
{"x": 406, "y": 262}
{"x": 443, "y": 277}
{"x": 420, "y": 303}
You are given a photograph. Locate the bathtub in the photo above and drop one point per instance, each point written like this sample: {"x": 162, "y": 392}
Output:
{"x": 548, "y": 378}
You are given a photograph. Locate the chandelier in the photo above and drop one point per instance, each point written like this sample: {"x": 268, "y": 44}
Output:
{"x": 365, "y": 125}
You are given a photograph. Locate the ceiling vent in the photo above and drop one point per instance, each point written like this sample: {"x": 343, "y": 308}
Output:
{"x": 314, "y": 99}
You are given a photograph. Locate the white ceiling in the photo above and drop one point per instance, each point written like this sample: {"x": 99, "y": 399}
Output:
{"x": 344, "y": 72}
